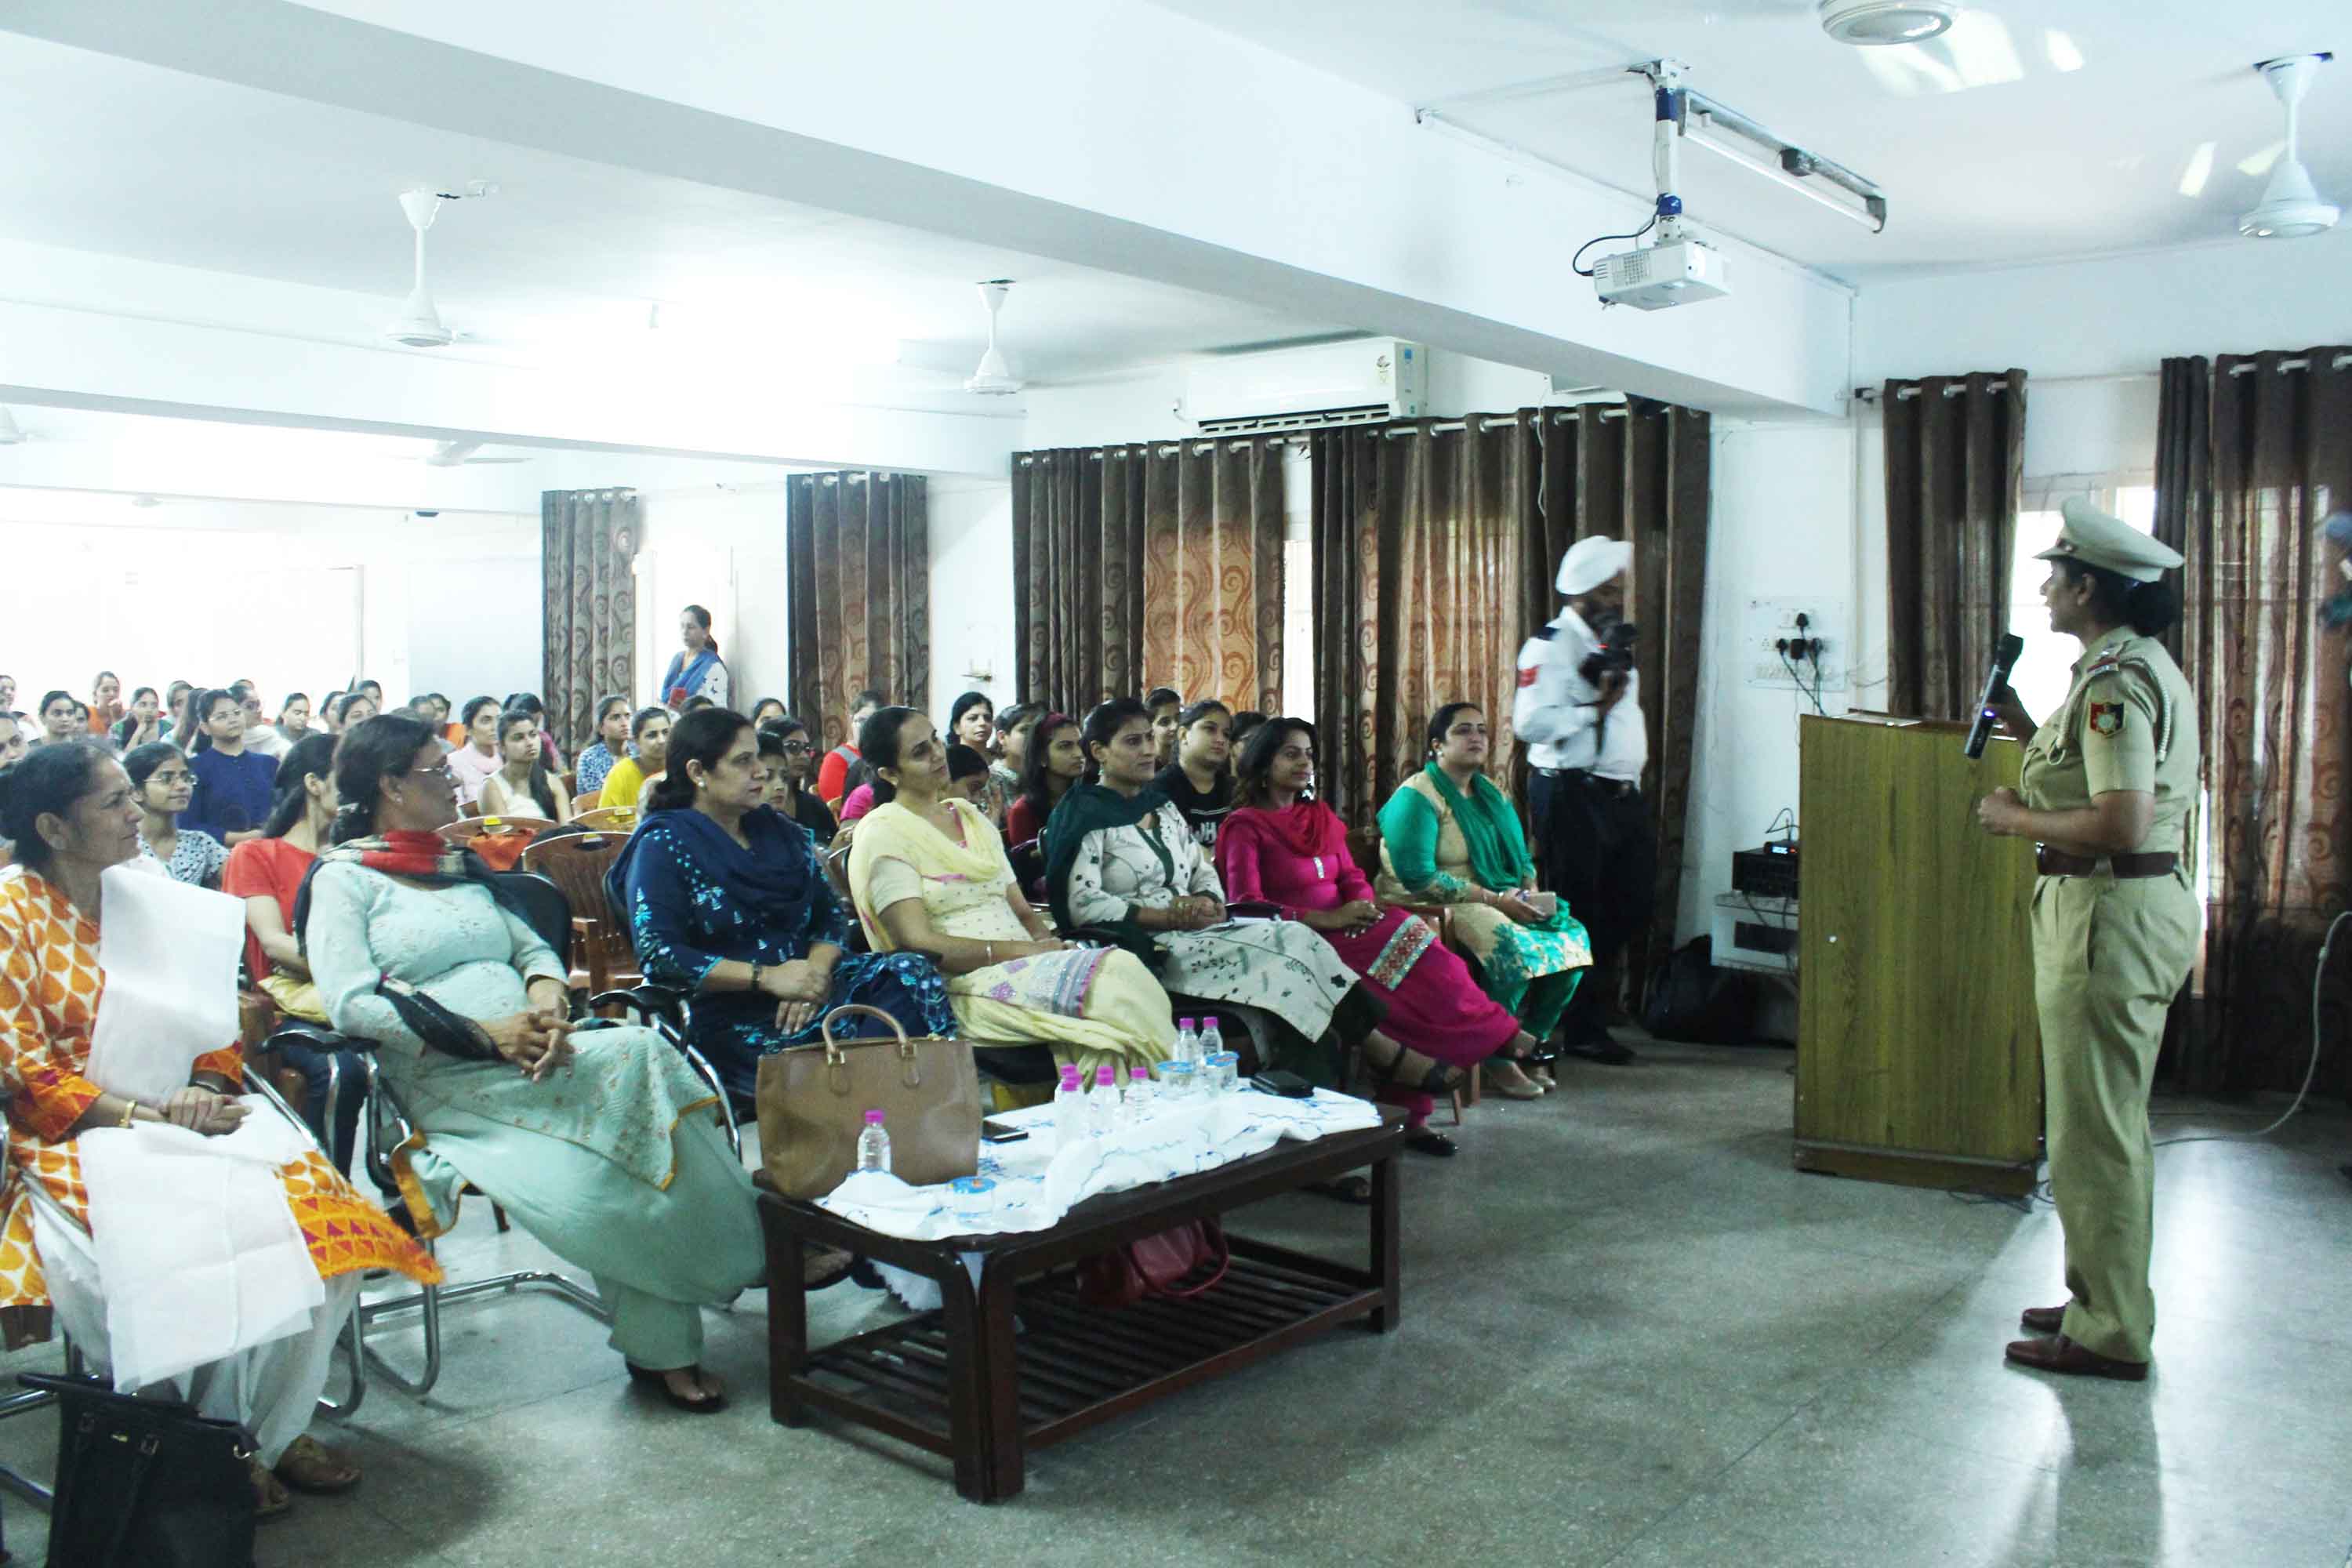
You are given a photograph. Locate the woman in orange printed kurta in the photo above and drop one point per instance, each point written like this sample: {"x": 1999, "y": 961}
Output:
{"x": 72, "y": 817}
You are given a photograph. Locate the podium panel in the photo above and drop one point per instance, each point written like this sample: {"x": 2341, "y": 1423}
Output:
{"x": 1918, "y": 1053}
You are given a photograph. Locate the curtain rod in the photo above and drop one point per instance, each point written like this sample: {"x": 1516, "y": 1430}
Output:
{"x": 1904, "y": 393}
{"x": 2284, "y": 365}
{"x": 1443, "y": 427}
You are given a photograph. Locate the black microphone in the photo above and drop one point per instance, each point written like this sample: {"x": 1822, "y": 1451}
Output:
{"x": 2004, "y": 659}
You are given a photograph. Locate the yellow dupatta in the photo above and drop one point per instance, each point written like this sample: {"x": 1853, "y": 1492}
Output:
{"x": 957, "y": 877}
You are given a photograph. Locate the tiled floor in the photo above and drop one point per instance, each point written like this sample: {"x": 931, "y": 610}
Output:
{"x": 1632, "y": 1336}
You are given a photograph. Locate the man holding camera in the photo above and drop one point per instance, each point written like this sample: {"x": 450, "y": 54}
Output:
{"x": 1578, "y": 712}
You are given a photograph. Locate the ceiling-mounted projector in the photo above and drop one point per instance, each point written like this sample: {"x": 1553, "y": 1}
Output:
{"x": 1671, "y": 272}
{"x": 2291, "y": 208}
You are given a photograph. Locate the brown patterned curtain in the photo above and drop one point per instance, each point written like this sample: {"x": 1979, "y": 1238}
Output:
{"x": 1435, "y": 545}
{"x": 588, "y": 547}
{"x": 859, "y": 594}
{"x": 2276, "y": 712}
{"x": 1955, "y": 456}
{"x": 1143, "y": 565}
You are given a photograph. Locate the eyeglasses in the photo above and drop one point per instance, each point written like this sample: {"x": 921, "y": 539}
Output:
{"x": 441, "y": 772}
{"x": 797, "y": 747}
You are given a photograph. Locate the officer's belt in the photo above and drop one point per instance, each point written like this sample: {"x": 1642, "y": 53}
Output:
{"x": 2058, "y": 863}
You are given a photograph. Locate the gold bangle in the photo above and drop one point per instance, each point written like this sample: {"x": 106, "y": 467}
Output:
{"x": 130, "y": 1109}
{"x": 990, "y": 949}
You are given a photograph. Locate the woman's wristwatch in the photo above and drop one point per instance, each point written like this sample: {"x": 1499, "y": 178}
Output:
{"x": 756, "y": 971}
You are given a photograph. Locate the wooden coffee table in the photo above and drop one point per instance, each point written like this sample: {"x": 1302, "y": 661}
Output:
{"x": 959, "y": 1381}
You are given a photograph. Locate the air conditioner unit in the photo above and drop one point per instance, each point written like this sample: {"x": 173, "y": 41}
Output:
{"x": 1364, "y": 382}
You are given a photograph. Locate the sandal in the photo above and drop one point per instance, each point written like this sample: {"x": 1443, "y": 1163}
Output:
{"x": 825, "y": 1265}
{"x": 270, "y": 1498}
{"x": 1437, "y": 1082}
{"x": 1356, "y": 1190}
{"x": 310, "y": 1465}
{"x": 1431, "y": 1141}
{"x": 710, "y": 1403}
{"x": 1527, "y": 1088}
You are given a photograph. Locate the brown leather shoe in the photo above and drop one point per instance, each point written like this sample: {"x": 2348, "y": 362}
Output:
{"x": 2042, "y": 1319}
{"x": 2063, "y": 1355}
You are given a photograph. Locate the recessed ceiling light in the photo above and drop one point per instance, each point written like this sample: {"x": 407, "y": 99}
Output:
{"x": 1877, "y": 22}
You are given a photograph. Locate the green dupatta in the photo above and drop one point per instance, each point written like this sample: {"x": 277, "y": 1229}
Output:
{"x": 1498, "y": 850}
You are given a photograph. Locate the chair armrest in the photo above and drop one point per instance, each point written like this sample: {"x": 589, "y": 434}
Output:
{"x": 317, "y": 1037}
{"x": 647, "y": 1001}
{"x": 1257, "y": 910}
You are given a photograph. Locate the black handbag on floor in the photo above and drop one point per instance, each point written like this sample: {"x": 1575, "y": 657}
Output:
{"x": 145, "y": 1483}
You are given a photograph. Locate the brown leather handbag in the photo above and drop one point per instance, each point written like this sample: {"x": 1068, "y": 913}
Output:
{"x": 813, "y": 1101}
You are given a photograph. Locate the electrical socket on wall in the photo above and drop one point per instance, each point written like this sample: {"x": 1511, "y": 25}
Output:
{"x": 1807, "y": 632}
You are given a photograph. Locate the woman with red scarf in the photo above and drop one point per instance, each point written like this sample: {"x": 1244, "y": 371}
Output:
{"x": 1279, "y": 847}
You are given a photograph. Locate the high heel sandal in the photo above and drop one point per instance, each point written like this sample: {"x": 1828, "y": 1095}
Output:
{"x": 1528, "y": 1088}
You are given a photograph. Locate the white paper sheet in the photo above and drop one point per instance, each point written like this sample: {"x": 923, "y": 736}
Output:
{"x": 198, "y": 1255}
{"x": 169, "y": 953}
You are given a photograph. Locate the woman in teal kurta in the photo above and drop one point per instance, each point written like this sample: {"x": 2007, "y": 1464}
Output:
{"x": 606, "y": 1147}
{"x": 1449, "y": 836}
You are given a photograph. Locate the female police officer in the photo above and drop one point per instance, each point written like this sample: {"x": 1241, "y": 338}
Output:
{"x": 2109, "y": 791}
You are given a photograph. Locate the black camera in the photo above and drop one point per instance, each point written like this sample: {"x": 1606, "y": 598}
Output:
{"x": 1613, "y": 656}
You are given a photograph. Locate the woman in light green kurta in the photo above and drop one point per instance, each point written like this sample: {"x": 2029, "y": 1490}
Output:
{"x": 1448, "y": 836}
{"x": 606, "y": 1148}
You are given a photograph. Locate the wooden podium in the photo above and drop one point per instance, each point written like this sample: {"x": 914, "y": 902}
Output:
{"x": 1918, "y": 1055}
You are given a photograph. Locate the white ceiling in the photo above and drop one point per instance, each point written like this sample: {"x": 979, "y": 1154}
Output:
{"x": 2037, "y": 129}
{"x": 152, "y": 165}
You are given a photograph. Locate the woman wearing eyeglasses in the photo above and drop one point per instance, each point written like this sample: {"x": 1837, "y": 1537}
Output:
{"x": 791, "y": 757}
{"x": 161, "y": 787}
{"x": 606, "y": 1148}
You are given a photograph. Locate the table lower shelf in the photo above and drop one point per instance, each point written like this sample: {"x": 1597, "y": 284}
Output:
{"x": 1079, "y": 1364}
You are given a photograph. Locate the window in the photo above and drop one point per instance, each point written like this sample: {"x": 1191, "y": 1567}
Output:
{"x": 2045, "y": 669}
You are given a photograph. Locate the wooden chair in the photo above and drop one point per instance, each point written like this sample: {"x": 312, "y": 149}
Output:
{"x": 465, "y": 829}
{"x": 621, "y": 820}
{"x": 604, "y": 957}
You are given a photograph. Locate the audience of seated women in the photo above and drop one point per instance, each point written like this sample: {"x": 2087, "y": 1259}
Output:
{"x": 1121, "y": 859}
{"x": 59, "y": 714}
{"x": 232, "y": 784}
{"x": 1449, "y": 836}
{"x": 843, "y": 770}
{"x": 161, "y": 786}
{"x": 261, "y": 736}
{"x": 294, "y": 720}
{"x": 143, "y": 724}
{"x": 971, "y": 721}
{"x": 1163, "y": 703}
{"x": 648, "y": 755}
{"x": 70, "y": 810}
{"x": 104, "y": 710}
{"x": 930, "y": 879}
{"x": 1006, "y": 750}
{"x": 967, "y": 780}
{"x": 1056, "y": 759}
{"x": 355, "y": 708}
{"x": 473, "y": 763}
{"x": 529, "y": 702}
{"x": 1199, "y": 781}
{"x": 727, "y": 903}
{"x": 790, "y": 758}
{"x": 696, "y": 669}
{"x": 1283, "y": 846}
{"x": 604, "y": 1147}
{"x": 611, "y": 744}
{"x": 768, "y": 710}
{"x": 178, "y": 727}
{"x": 1245, "y": 725}
{"x": 11, "y": 739}
{"x": 523, "y": 787}
{"x": 267, "y": 873}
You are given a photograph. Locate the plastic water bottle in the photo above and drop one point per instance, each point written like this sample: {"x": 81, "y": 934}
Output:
{"x": 1102, "y": 1104}
{"x": 1213, "y": 1040}
{"x": 1188, "y": 1043}
{"x": 874, "y": 1144}
{"x": 1069, "y": 1109}
{"x": 1140, "y": 1093}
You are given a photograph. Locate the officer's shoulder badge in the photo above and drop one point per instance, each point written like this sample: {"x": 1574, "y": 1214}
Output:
{"x": 2106, "y": 718}
{"x": 2107, "y": 663}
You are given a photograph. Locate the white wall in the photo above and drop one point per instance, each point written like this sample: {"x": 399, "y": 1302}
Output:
{"x": 972, "y": 592}
{"x": 1782, "y": 525}
{"x": 721, "y": 547}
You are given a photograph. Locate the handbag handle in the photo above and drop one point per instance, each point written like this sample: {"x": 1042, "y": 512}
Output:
{"x": 836, "y": 1064}
{"x": 832, "y": 1049}
{"x": 1225, "y": 1261}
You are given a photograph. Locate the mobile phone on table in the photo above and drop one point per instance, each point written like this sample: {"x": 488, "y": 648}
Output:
{"x": 993, "y": 1134}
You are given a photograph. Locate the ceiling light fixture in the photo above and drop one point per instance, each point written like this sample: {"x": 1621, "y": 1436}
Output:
{"x": 2290, "y": 207}
{"x": 1872, "y": 23}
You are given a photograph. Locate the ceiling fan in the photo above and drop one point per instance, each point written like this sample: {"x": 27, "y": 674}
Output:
{"x": 419, "y": 323}
{"x": 995, "y": 378}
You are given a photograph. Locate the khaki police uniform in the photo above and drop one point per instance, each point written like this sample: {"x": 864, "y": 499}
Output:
{"x": 2111, "y": 952}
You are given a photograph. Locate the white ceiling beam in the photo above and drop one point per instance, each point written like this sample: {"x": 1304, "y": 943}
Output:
{"x": 1103, "y": 132}
{"x": 81, "y": 359}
